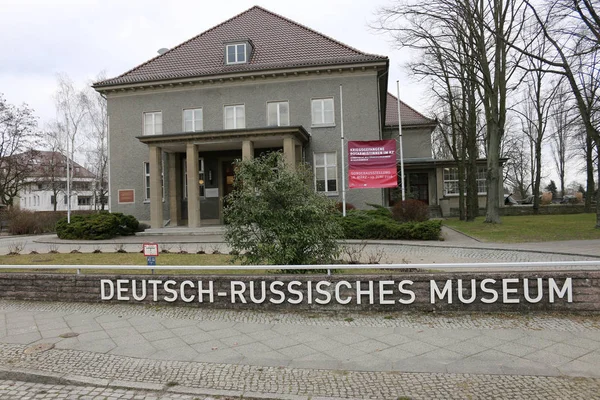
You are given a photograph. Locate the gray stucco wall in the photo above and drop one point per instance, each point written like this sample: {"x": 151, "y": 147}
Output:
{"x": 416, "y": 142}
{"x": 361, "y": 122}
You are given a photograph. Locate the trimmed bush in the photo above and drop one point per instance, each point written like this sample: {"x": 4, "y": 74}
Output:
{"x": 128, "y": 224}
{"x": 96, "y": 226}
{"x": 410, "y": 211}
{"x": 375, "y": 224}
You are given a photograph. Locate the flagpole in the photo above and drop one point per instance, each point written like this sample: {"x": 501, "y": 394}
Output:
{"x": 343, "y": 151}
{"x": 401, "y": 151}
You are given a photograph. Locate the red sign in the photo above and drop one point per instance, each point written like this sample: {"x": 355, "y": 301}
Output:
{"x": 372, "y": 164}
{"x": 150, "y": 249}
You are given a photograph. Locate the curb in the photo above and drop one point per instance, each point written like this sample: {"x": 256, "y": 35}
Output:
{"x": 50, "y": 378}
{"x": 348, "y": 241}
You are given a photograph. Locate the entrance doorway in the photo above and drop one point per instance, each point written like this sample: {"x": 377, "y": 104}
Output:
{"x": 419, "y": 186}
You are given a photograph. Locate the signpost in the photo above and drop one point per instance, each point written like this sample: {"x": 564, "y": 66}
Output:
{"x": 150, "y": 252}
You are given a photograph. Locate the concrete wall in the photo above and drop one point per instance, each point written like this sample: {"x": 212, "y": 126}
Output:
{"x": 583, "y": 292}
{"x": 125, "y": 110}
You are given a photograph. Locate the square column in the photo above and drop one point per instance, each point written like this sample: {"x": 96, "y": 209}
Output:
{"x": 174, "y": 211}
{"x": 247, "y": 150}
{"x": 193, "y": 185}
{"x": 156, "y": 200}
{"x": 289, "y": 152}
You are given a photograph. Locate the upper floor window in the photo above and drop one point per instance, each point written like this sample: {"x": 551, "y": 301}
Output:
{"x": 235, "y": 117}
{"x": 278, "y": 113}
{"x": 322, "y": 112}
{"x": 192, "y": 120}
{"x": 236, "y": 53}
{"x": 153, "y": 123}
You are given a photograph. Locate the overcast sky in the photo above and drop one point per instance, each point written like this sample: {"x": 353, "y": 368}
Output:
{"x": 83, "y": 37}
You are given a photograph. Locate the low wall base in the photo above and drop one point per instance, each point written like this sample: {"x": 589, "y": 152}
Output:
{"x": 572, "y": 291}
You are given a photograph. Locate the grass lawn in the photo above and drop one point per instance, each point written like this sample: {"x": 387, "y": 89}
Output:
{"x": 118, "y": 259}
{"x": 530, "y": 228}
{"x": 64, "y": 259}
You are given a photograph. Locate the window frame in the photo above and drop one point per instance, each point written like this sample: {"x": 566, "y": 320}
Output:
{"x": 147, "y": 181}
{"x": 325, "y": 166}
{"x": 278, "y": 104}
{"x": 194, "y": 128}
{"x": 153, "y": 114}
{"x": 86, "y": 197}
{"x": 323, "y": 122}
{"x": 236, "y": 53}
{"x": 481, "y": 180}
{"x": 235, "y": 117}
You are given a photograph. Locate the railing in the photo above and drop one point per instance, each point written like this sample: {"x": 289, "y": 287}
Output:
{"x": 534, "y": 265}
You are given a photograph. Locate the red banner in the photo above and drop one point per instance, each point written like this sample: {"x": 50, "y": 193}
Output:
{"x": 372, "y": 164}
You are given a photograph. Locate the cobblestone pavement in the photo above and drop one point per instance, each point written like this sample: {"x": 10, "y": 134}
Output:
{"x": 18, "y": 390}
{"x": 249, "y": 382}
{"x": 300, "y": 356}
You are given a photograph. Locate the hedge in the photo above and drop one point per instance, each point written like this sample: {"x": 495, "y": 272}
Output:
{"x": 378, "y": 224}
{"x": 97, "y": 226}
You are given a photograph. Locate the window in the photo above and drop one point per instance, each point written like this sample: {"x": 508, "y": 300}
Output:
{"x": 153, "y": 123}
{"x": 481, "y": 182}
{"x": 147, "y": 182}
{"x": 322, "y": 112}
{"x": 326, "y": 172}
{"x": 84, "y": 200}
{"x": 235, "y": 117}
{"x": 52, "y": 199}
{"x": 451, "y": 180}
{"x": 192, "y": 120}
{"x": 236, "y": 53}
{"x": 278, "y": 113}
{"x": 201, "y": 181}
{"x": 66, "y": 199}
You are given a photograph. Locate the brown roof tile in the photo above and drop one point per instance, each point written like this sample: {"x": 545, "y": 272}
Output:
{"x": 409, "y": 115}
{"x": 278, "y": 43}
{"x": 42, "y": 163}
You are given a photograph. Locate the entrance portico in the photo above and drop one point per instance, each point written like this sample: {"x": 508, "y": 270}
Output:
{"x": 183, "y": 160}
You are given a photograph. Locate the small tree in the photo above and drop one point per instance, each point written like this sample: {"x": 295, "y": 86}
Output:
{"x": 275, "y": 217}
{"x": 552, "y": 189}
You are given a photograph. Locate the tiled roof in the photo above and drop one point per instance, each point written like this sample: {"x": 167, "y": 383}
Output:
{"x": 43, "y": 162}
{"x": 409, "y": 115}
{"x": 278, "y": 43}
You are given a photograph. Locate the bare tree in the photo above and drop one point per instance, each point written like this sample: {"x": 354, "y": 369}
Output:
{"x": 572, "y": 27}
{"x": 538, "y": 96}
{"x": 436, "y": 30}
{"x": 71, "y": 113}
{"x": 18, "y": 134}
{"x": 95, "y": 105}
{"x": 517, "y": 169}
{"x": 53, "y": 171}
{"x": 560, "y": 139}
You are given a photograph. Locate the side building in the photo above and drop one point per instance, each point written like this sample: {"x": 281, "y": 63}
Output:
{"x": 45, "y": 187}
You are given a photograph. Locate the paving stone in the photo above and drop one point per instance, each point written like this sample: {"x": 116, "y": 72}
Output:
{"x": 363, "y": 367}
